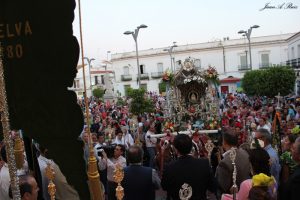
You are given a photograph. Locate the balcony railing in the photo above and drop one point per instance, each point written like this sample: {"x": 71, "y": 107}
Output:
{"x": 126, "y": 77}
{"x": 156, "y": 74}
{"x": 295, "y": 63}
{"x": 243, "y": 67}
{"x": 144, "y": 76}
{"x": 264, "y": 65}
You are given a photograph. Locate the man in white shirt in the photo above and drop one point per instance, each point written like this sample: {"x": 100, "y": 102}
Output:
{"x": 263, "y": 124}
{"x": 151, "y": 144}
{"x": 110, "y": 164}
{"x": 118, "y": 139}
{"x": 127, "y": 138}
{"x": 100, "y": 144}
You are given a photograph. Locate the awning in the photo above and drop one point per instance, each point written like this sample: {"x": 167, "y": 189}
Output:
{"x": 230, "y": 80}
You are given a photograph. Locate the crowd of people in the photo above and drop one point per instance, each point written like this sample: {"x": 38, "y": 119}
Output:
{"x": 263, "y": 138}
{"x": 247, "y": 125}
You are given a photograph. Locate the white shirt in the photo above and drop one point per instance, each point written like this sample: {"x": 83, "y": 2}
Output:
{"x": 118, "y": 141}
{"x": 150, "y": 142}
{"x": 128, "y": 140}
{"x": 264, "y": 127}
{"x": 4, "y": 182}
{"x": 96, "y": 149}
{"x": 5, "y": 179}
{"x": 110, "y": 164}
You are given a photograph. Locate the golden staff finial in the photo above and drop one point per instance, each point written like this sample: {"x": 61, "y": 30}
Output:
{"x": 19, "y": 152}
{"x": 93, "y": 174}
{"x": 4, "y": 117}
{"x": 118, "y": 177}
{"x": 50, "y": 174}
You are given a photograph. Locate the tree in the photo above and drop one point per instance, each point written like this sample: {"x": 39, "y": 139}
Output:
{"x": 162, "y": 87}
{"x": 121, "y": 102}
{"x": 269, "y": 82}
{"x": 139, "y": 103}
{"x": 98, "y": 92}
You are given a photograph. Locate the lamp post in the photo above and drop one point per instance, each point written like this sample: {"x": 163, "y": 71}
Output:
{"x": 108, "y": 52}
{"x": 135, "y": 35}
{"x": 248, "y": 34}
{"x": 246, "y": 52}
{"x": 170, "y": 50}
{"x": 89, "y": 60}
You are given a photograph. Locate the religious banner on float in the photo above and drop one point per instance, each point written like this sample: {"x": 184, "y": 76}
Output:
{"x": 40, "y": 56}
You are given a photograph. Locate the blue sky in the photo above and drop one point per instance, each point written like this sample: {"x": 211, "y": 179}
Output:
{"x": 183, "y": 21}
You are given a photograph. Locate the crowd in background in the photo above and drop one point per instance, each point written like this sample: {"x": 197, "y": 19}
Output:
{"x": 247, "y": 125}
{"x": 262, "y": 132}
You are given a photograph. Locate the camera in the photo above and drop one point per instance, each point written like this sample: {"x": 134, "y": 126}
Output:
{"x": 109, "y": 150}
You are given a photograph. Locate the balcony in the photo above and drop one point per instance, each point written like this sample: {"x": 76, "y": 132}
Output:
{"x": 243, "y": 67}
{"x": 126, "y": 77}
{"x": 264, "y": 65}
{"x": 156, "y": 74}
{"x": 144, "y": 76}
{"x": 295, "y": 63}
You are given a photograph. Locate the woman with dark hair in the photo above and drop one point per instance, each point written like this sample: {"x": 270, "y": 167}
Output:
{"x": 259, "y": 159}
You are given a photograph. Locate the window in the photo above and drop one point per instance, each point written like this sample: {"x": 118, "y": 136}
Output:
{"x": 243, "y": 60}
{"x": 293, "y": 53}
{"x": 96, "y": 80}
{"x": 76, "y": 84}
{"x": 197, "y": 63}
{"x": 160, "y": 67}
{"x": 126, "y": 87}
{"x": 265, "y": 60}
{"x": 298, "y": 50}
{"x": 126, "y": 70}
{"x": 142, "y": 69}
{"x": 102, "y": 79}
{"x": 144, "y": 86}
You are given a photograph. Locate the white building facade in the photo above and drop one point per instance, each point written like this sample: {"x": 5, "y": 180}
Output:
{"x": 94, "y": 77}
{"x": 294, "y": 58}
{"x": 229, "y": 57}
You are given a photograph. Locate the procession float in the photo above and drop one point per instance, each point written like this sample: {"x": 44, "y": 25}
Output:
{"x": 192, "y": 96}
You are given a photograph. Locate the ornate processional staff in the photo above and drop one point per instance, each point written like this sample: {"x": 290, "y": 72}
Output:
{"x": 49, "y": 171}
{"x": 118, "y": 177}
{"x": 93, "y": 174}
{"x": 4, "y": 116}
{"x": 232, "y": 155}
{"x": 276, "y": 126}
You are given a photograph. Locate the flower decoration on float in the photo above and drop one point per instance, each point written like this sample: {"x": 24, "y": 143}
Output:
{"x": 295, "y": 130}
{"x": 169, "y": 125}
{"x": 263, "y": 180}
{"x": 168, "y": 76}
{"x": 212, "y": 123}
{"x": 211, "y": 74}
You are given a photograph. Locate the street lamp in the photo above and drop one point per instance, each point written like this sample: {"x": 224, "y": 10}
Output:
{"x": 108, "y": 52}
{"x": 135, "y": 35}
{"x": 170, "y": 50}
{"x": 248, "y": 34}
{"x": 89, "y": 60}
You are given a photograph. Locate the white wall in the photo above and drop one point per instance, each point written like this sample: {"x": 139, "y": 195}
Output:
{"x": 294, "y": 42}
{"x": 210, "y": 53}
